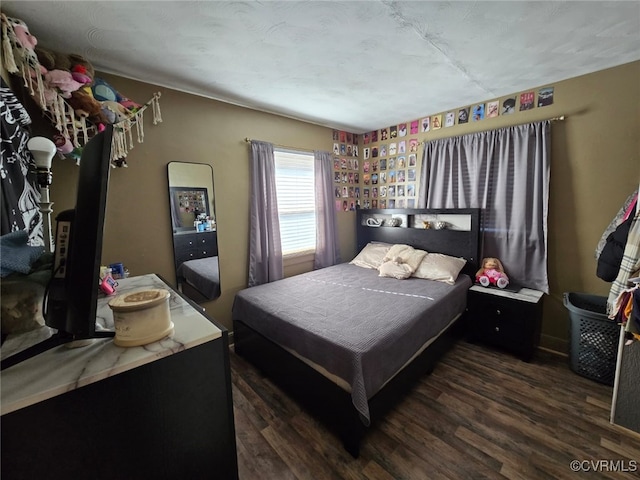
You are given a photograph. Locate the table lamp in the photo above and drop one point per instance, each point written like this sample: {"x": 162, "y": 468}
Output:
{"x": 43, "y": 151}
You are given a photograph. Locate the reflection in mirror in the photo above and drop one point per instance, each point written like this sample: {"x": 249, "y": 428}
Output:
{"x": 193, "y": 222}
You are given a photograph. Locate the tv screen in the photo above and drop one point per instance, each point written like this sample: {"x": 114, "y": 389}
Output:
{"x": 73, "y": 292}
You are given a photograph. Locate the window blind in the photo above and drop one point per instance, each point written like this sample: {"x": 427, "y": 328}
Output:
{"x": 296, "y": 201}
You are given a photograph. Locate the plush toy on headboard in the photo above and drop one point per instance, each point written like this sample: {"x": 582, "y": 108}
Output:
{"x": 492, "y": 273}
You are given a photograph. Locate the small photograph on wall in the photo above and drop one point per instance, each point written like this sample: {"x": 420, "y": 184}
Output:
{"x": 391, "y": 177}
{"x": 436, "y": 122}
{"x": 336, "y": 163}
{"x": 402, "y": 130}
{"x": 374, "y": 152}
{"x": 463, "y": 115}
{"x": 343, "y": 163}
{"x": 336, "y": 177}
{"x": 374, "y": 179}
{"x": 374, "y": 166}
{"x": 383, "y": 177}
{"x": 527, "y": 100}
{"x": 478, "y": 112}
{"x": 400, "y": 203}
{"x": 402, "y": 146}
{"x": 402, "y": 162}
{"x": 382, "y": 204}
{"x": 349, "y": 150}
{"x": 414, "y": 127}
{"x": 343, "y": 149}
{"x": 366, "y": 152}
{"x": 411, "y": 190}
{"x": 374, "y": 136}
{"x": 345, "y": 177}
{"x": 545, "y": 97}
{"x": 336, "y": 149}
{"x": 393, "y": 148}
{"x": 411, "y": 175}
{"x": 383, "y": 150}
{"x": 450, "y": 119}
{"x": 392, "y": 163}
{"x": 391, "y": 191}
{"x": 365, "y": 193}
{"x": 384, "y": 134}
{"x": 413, "y": 145}
{"x": 425, "y": 124}
{"x": 383, "y": 191}
{"x": 345, "y": 192}
{"x": 336, "y": 192}
{"x": 391, "y": 203}
{"x": 393, "y": 131}
{"x": 357, "y": 177}
{"x": 400, "y": 191}
{"x": 412, "y": 160}
{"x": 336, "y": 135}
{"x": 383, "y": 164}
{"x": 349, "y": 137}
{"x": 366, "y": 178}
{"x": 400, "y": 176}
{"x": 492, "y": 109}
{"x": 357, "y": 192}
{"x": 338, "y": 206}
{"x": 343, "y": 137}
{"x": 366, "y": 166}
{"x": 508, "y": 106}
{"x": 366, "y": 138}
{"x": 351, "y": 177}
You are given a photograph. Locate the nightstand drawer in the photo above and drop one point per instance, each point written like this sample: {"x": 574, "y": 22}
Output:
{"x": 505, "y": 320}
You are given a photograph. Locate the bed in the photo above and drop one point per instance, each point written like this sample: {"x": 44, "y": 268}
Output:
{"x": 347, "y": 343}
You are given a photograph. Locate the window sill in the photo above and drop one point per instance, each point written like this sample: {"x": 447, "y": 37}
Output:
{"x": 299, "y": 257}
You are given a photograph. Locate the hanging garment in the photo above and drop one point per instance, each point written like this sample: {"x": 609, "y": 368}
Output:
{"x": 630, "y": 265}
{"x": 613, "y": 251}
{"x": 20, "y": 195}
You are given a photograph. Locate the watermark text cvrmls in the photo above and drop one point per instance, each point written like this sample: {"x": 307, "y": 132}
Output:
{"x": 604, "y": 465}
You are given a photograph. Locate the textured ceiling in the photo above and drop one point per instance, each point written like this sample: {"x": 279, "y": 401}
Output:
{"x": 352, "y": 65}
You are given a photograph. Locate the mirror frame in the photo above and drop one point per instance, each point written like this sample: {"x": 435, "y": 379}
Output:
{"x": 198, "y": 182}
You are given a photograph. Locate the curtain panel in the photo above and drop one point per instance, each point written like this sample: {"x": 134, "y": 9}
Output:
{"x": 265, "y": 250}
{"x": 505, "y": 172}
{"x": 327, "y": 242}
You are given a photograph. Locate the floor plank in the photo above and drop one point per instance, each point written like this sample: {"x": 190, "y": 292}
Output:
{"x": 481, "y": 414}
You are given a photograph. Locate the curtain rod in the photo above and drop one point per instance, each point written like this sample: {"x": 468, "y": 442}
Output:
{"x": 287, "y": 147}
{"x": 560, "y": 118}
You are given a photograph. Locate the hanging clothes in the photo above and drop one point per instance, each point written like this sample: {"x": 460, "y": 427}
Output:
{"x": 630, "y": 265}
{"x": 19, "y": 202}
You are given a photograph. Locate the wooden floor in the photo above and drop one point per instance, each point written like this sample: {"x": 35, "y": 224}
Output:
{"x": 481, "y": 414}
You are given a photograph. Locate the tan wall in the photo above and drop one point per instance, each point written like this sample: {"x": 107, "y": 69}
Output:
{"x": 595, "y": 165}
{"x": 194, "y": 129}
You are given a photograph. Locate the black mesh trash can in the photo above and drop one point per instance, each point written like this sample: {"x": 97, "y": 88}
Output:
{"x": 593, "y": 346}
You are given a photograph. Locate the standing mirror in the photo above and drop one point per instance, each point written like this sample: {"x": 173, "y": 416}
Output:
{"x": 193, "y": 223}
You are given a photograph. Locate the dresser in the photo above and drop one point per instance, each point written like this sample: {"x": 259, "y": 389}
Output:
{"x": 163, "y": 410}
{"x": 509, "y": 320}
{"x": 194, "y": 245}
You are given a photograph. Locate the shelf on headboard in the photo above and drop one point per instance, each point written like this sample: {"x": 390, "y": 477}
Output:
{"x": 461, "y": 238}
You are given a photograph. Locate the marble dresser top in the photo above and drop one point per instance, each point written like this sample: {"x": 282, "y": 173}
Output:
{"x": 62, "y": 369}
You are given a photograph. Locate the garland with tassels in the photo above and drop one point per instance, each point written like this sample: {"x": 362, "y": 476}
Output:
{"x": 23, "y": 62}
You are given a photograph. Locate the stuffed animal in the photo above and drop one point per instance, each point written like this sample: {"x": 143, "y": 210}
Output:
{"x": 114, "y": 111}
{"x": 104, "y": 92}
{"x": 492, "y": 273}
{"x": 19, "y": 48}
{"x": 87, "y": 107}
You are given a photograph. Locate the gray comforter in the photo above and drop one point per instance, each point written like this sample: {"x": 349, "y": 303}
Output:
{"x": 357, "y": 325}
{"x": 202, "y": 274}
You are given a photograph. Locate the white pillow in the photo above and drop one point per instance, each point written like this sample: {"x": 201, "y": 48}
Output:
{"x": 395, "y": 270}
{"x": 371, "y": 255}
{"x": 439, "y": 267}
{"x": 407, "y": 253}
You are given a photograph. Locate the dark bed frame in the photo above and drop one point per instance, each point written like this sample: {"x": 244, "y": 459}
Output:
{"x": 322, "y": 397}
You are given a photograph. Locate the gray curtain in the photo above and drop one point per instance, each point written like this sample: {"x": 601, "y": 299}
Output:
{"x": 265, "y": 249}
{"x": 506, "y": 173}
{"x": 327, "y": 242}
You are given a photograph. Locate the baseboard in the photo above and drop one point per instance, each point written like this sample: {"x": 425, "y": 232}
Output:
{"x": 554, "y": 344}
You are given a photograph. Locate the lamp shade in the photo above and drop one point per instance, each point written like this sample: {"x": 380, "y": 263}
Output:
{"x": 43, "y": 151}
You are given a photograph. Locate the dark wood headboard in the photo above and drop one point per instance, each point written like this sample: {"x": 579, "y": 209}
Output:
{"x": 454, "y": 242}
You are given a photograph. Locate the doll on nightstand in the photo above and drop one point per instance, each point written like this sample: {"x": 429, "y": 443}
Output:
{"x": 492, "y": 273}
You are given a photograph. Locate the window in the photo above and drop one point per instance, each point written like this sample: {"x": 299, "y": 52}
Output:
{"x": 296, "y": 201}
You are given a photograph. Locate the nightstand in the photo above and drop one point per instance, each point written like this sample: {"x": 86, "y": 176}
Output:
{"x": 510, "y": 320}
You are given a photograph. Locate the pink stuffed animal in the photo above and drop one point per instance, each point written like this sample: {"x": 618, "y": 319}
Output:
{"x": 492, "y": 273}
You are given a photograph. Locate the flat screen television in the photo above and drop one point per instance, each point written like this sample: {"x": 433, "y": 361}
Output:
{"x": 72, "y": 295}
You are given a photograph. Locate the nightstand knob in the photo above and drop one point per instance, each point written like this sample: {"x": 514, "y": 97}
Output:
{"x": 497, "y": 329}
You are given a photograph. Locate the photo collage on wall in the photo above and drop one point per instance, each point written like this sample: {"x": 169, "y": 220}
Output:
{"x": 346, "y": 171}
{"x": 389, "y": 166}
{"x": 384, "y": 172}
